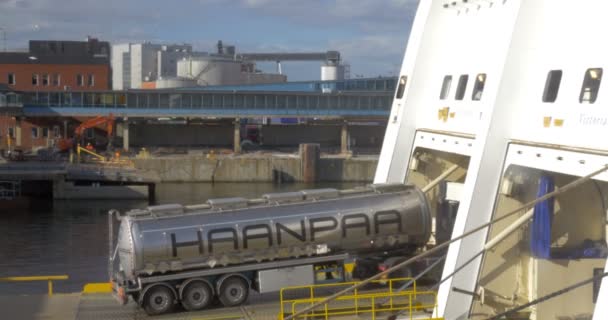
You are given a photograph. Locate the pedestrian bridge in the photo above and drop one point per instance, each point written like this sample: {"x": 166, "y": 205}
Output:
{"x": 220, "y": 104}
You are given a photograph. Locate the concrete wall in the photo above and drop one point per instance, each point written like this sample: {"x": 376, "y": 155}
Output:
{"x": 367, "y": 136}
{"x": 326, "y": 135}
{"x": 293, "y": 135}
{"x": 67, "y": 190}
{"x": 179, "y": 135}
{"x": 258, "y": 169}
{"x": 347, "y": 170}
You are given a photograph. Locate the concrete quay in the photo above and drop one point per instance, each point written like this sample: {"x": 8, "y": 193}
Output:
{"x": 257, "y": 167}
{"x": 79, "y": 181}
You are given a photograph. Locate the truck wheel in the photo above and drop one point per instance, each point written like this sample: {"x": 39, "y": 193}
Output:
{"x": 196, "y": 296}
{"x": 234, "y": 291}
{"x": 158, "y": 300}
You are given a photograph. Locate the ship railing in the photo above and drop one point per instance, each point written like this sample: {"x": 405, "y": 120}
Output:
{"x": 380, "y": 297}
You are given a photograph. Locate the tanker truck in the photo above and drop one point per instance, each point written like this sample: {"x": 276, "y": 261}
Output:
{"x": 218, "y": 251}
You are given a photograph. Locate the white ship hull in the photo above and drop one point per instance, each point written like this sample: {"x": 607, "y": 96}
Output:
{"x": 525, "y": 102}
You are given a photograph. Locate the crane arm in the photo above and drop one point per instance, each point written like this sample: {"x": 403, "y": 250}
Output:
{"x": 99, "y": 120}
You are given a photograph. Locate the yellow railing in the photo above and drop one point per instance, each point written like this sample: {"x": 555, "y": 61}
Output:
{"x": 80, "y": 149}
{"x": 113, "y": 161}
{"x": 387, "y": 299}
{"x": 50, "y": 280}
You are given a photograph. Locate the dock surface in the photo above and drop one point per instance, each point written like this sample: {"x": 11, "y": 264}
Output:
{"x": 102, "y": 306}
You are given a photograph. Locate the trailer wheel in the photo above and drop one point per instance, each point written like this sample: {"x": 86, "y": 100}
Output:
{"x": 234, "y": 291}
{"x": 196, "y": 296}
{"x": 158, "y": 300}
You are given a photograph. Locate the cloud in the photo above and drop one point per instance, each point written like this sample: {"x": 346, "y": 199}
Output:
{"x": 370, "y": 33}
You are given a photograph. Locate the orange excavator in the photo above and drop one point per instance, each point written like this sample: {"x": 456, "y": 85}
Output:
{"x": 67, "y": 144}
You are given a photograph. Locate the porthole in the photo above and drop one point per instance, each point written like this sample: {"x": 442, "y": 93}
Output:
{"x": 554, "y": 78}
{"x": 480, "y": 83}
{"x": 462, "y": 86}
{"x": 401, "y": 89}
{"x": 591, "y": 85}
{"x": 445, "y": 87}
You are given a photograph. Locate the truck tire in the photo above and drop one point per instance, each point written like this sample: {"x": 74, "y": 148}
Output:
{"x": 197, "y": 295}
{"x": 158, "y": 300}
{"x": 234, "y": 291}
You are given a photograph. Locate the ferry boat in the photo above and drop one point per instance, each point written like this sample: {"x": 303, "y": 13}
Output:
{"x": 504, "y": 99}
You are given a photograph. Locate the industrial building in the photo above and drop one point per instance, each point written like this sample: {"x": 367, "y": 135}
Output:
{"x": 50, "y": 66}
{"x": 156, "y": 66}
{"x": 135, "y": 63}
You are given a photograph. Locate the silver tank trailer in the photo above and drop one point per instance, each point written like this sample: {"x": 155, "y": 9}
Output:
{"x": 278, "y": 226}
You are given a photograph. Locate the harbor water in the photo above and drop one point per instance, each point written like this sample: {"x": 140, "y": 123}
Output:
{"x": 71, "y": 237}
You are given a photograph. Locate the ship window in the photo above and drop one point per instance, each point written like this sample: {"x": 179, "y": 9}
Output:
{"x": 591, "y": 85}
{"x": 462, "y": 86}
{"x": 554, "y": 78}
{"x": 401, "y": 89}
{"x": 480, "y": 83}
{"x": 445, "y": 87}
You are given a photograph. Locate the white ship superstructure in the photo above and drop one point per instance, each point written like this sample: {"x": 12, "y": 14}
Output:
{"x": 526, "y": 110}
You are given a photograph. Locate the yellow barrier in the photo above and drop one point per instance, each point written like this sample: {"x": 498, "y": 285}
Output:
{"x": 50, "y": 280}
{"x": 80, "y": 149}
{"x": 104, "y": 287}
{"x": 372, "y": 302}
{"x": 114, "y": 161}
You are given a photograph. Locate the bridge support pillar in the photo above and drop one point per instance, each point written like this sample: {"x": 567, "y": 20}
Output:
{"x": 18, "y": 132}
{"x": 344, "y": 139}
{"x": 237, "y": 136}
{"x": 125, "y": 134}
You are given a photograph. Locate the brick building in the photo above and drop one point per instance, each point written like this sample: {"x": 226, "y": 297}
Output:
{"x": 51, "y": 66}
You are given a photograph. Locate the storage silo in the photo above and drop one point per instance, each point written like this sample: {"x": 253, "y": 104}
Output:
{"x": 332, "y": 72}
{"x": 168, "y": 83}
{"x": 210, "y": 70}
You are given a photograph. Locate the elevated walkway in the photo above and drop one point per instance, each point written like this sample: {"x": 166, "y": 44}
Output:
{"x": 218, "y": 104}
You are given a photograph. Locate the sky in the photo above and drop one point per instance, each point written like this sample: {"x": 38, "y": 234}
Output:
{"x": 370, "y": 34}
